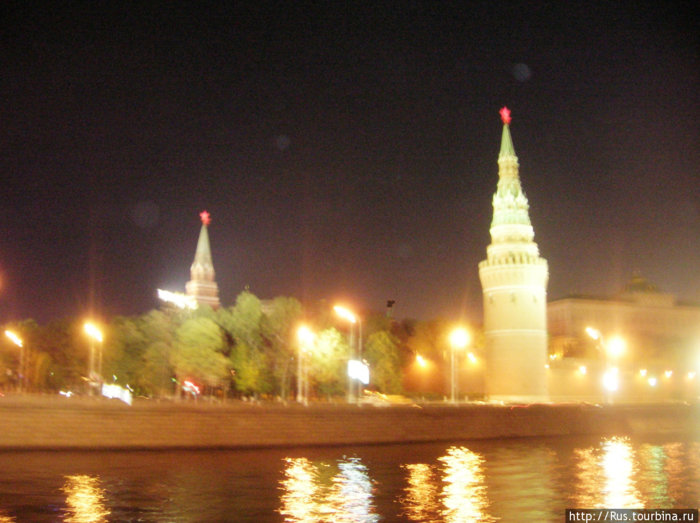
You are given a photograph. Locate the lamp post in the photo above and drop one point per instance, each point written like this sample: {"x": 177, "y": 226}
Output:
{"x": 459, "y": 339}
{"x": 95, "y": 334}
{"x": 349, "y": 316}
{"x": 611, "y": 349}
{"x": 305, "y": 338}
{"x": 20, "y": 372}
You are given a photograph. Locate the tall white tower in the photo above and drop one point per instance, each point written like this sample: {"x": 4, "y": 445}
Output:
{"x": 514, "y": 282}
{"x": 202, "y": 286}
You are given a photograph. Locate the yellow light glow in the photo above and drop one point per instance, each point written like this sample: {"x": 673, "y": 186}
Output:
{"x": 618, "y": 469}
{"x": 422, "y": 496}
{"x": 15, "y": 339}
{"x": 93, "y": 331}
{"x": 691, "y": 375}
{"x": 459, "y": 338}
{"x": 652, "y": 382}
{"x": 582, "y": 369}
{"x": 616, "y": 347}
{"x": 464, "y": 486}
{"x": 606, "y": 475}
{"x": 593, "y": 333}
{"x": 471, "y": 357}
{"x": 421, "y": 361}
{"x": 305, "y": 335}
{"x": 610, "y": 380}
{"x": 642, "y": 372}
{"x": 668, "y": 373}
{"x": 344, "y": 313}
{"x": 301, "y": 491}
{"x": 85, "y": 499}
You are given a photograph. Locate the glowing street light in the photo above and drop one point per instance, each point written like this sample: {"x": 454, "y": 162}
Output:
{"x": 459, "y": 338}
{"x": 95, "y": 334}
{"x": 611, "y": 349}
{"x": 306, "y": 339}
{"x": 353, "y": 319}
{"x": 20, "y": 372}
{"x": 593, "y": 333}
{"x": 610, "y": 380}
{"x": 346, "y": 314}
{"x": 616, "y": 347}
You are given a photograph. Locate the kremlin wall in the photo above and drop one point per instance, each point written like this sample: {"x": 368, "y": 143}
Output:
{"x": 56, "y": 423}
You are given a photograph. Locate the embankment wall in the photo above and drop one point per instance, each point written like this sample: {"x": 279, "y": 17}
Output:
{"x": 84, "y": 423}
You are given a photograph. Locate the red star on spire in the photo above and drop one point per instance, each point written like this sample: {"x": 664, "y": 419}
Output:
{"x": 206, "y": 217}
{"x": 505, "y": 115}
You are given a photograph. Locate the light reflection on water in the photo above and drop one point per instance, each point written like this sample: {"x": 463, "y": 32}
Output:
{"x": 507, "y": 480}
{"x": 85, "y": 499}
{"x": 323, "y": 493}
{"x": 463, "y": 492}
{"x": 421, "y": 499}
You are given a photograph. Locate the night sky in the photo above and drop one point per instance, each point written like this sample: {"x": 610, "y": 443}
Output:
{"x": 345, "y": 152}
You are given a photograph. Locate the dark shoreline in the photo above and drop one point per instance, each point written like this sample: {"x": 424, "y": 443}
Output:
{"x": 55, "y": 423}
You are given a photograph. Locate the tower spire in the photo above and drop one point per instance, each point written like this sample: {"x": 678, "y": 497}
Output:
{"x": 506, "y": 141}
{"x": 202, "y": 286}
{"x": 514, "y": 281}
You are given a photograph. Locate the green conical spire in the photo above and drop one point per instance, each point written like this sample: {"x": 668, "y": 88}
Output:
{"x": 507, "y": 148}
{"x": 510, "y": 206}
{"x": 506, "y": 141}
{"x": 203, "y": 253}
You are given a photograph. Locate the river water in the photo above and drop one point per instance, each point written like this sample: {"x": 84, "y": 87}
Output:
{"x": 497, "y": 480}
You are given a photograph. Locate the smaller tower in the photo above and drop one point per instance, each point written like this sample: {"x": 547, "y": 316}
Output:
{"x": 202, "y": 286}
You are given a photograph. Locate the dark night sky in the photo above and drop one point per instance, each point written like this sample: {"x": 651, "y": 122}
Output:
{"x": 343, "y": 152}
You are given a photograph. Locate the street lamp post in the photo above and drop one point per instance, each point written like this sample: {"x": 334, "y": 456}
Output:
{"x": 353, "y": 319}
{"x": 20, "y": 372}
{"x": 95, "y": 334}
{"x": 610, "y": 349}
{"x": 306, "y": 338}
{"x": 459, "y": 339}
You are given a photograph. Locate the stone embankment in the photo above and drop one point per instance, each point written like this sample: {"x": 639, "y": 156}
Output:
{"x": 83, "y": 423}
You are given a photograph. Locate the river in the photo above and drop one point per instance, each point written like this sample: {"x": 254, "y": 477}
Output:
{"x": 529, "y": 479}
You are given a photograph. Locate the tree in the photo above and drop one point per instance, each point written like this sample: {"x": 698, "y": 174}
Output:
{"x": 328, "y": 363}
{"x": 279, "y": 327}
{"x": 242, "y": 322}
{"x": 382, "y": 354}
{"x": 124, "y": 346}
{"x": 197, "y": 355}
{"x": 64, "y": 342}
{"x": 157, "y": 371}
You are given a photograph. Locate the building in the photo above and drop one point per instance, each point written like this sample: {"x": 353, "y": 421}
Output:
{"x": 514, "y": 282}
{"x": 649, "y": 339}
{"x": 202, "y": 286}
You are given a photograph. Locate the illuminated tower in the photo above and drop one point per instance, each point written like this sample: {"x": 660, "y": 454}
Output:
{"x": 202, "y": 286}
{"x": 514, "y": 282}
